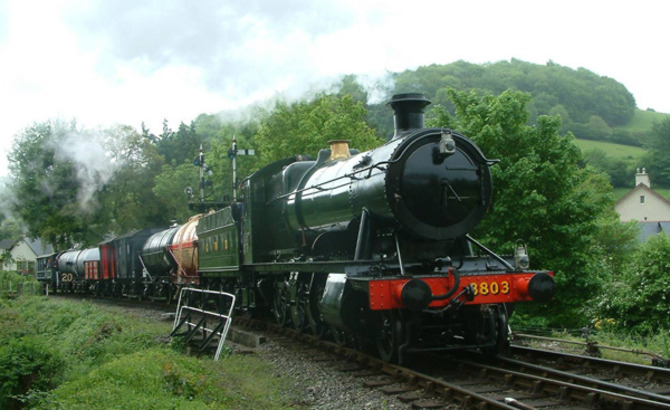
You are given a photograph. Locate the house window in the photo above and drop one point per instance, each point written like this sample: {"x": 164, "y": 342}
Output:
{"x": 25, "y": 267}
{"x": 641, "y": 199}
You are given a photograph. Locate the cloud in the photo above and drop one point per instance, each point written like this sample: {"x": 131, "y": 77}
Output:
{"x": 4, "y": 20}
{"x": 127, "y": 61}
{"x": 240, "y": 47}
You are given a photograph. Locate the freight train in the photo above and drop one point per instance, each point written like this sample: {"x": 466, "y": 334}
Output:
{"x": 371, "y": 247}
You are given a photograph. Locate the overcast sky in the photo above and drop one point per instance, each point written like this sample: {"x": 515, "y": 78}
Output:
{"x": 127, "y": 61}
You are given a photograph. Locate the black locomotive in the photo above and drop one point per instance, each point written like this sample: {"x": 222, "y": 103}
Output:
{"x": 370, "y": 248}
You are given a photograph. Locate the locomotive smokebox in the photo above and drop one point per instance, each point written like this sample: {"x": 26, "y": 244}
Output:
{"x": 407, "y": 113}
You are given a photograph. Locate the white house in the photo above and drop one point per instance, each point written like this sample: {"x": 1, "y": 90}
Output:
{"x": 23, "y": 254}
{"x": 644, "y": 205}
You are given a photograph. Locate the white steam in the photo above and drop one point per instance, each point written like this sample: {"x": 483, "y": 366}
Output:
{"x": 88, "y": 152}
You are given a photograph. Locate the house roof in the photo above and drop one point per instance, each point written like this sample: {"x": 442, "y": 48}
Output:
{"x": 38, "y": 246}
{"x": 7, "y": 244}
{"x": 648, "y": 229}
{"x": 642, "y": 188}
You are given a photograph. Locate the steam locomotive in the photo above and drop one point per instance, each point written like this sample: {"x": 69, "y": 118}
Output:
{"x": 371, "y": 247}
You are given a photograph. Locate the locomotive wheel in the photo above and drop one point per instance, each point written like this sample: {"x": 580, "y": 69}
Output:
{"x": 500, "y": 334}
{"x": 280, "y": 303}
{"x": 388, "y": 336}
{"x": 316, "y": 323}
{"x": 299, "y": 309}
{"x": 339, "y": 336}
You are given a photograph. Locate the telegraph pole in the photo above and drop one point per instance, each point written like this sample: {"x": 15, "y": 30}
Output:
{"x": 234, "y": 169}
{"x": 233, "y": 152}
{"x": 201, "y": 165}
{"x": 203, "y": 205}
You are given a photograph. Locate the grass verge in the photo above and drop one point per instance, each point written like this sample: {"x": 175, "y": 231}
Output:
{"x": 74, "y": 355}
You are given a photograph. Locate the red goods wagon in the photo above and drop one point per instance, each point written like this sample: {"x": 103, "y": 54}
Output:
{"x": 108, "y": 260}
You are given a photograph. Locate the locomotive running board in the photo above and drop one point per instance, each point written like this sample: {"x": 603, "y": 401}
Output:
{"x": 194, "y": 304}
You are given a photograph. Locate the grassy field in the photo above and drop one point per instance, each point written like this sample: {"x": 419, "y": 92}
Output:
{"x": 641, "y": 123}
{"x": 611, "y": 149}
{"x": 643, "y": 120}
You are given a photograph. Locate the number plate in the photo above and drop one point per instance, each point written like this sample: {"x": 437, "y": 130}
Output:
{"x": 491, "y": 288}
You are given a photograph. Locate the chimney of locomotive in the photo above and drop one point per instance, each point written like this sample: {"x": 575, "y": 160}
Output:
{"x": 407, "y": 113}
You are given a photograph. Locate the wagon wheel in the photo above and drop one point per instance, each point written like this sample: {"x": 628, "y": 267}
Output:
{"x": 281, "y": 303}
{"x": 388, "y": 336}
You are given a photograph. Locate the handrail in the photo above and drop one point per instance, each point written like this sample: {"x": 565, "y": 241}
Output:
{"x": 221, "y": 329}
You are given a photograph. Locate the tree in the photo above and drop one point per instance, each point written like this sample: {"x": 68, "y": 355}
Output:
{"x": 306, "y": 127}
{"x": 170, "y": 186}
{"x": 176, "y": 147}
{"x": 56, "y": 170}
{"x": 640, "y": 298}
{"x": 581, "y": 93}
{"x": 218, "y": 131}
{"x": 618, "y": 170}
{"x": 11, "y": 227}
{"x": 349, "y": 85}
{"x": 129, "y": 197}
{"x": 657, "y": 160}
{"x": 541, "y": 194}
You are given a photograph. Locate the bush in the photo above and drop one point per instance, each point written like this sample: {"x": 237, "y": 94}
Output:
{"x": 12, "y": 282}
{"x": 640, "y": 298}
{"x": 87, "y": 357}
{"x": 27, "y": 364}
{"x": 49, "y": 341}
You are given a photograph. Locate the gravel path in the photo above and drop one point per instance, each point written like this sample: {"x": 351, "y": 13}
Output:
{"x": 321, "y": 386}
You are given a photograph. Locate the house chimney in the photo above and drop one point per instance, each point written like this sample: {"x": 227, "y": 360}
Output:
{"x": 642, "y": 178}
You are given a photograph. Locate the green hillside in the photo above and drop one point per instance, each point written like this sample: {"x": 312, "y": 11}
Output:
{"x": 642, "y": 121}
{"x": 619, "y": 151}
{"x": 619, "y": 192}
{"x": 619, "y": 161}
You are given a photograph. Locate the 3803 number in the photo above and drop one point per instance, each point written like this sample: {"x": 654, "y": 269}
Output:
{"x": 491, "y": 288}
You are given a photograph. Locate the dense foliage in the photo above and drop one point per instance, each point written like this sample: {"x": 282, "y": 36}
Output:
{"x": 49, "y": 194}
{"x": 306, "y": 127}
{"x": 73, "y": 186}
{"x": 658, "y": 146}
{"x": 639, "y": 297}
{"x": 579, "y": 96}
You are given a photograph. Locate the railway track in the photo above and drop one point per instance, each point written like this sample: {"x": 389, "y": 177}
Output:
{"x": 636, "y": 376}
{"x": 441, "y": 381}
